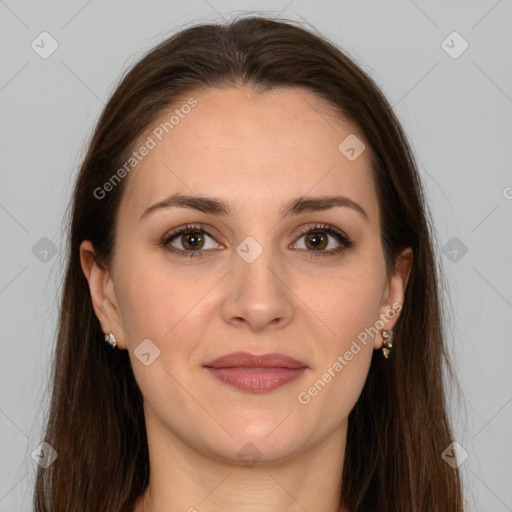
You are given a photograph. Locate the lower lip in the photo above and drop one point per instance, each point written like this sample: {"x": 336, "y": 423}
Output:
{"x": 256, "y": 380}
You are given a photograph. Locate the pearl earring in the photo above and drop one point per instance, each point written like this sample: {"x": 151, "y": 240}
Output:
{"x": 111, "y": 340}
{"x": 388, "y": 342}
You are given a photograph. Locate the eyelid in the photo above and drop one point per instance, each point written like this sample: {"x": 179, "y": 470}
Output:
{"x": 321, "y": 226}
{"x": 203, "y": 228}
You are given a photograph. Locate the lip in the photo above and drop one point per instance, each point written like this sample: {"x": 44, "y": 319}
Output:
{"x": 256, "y": 380}
{"x": 256, "y": 373}
{"x": 247, "y": 360}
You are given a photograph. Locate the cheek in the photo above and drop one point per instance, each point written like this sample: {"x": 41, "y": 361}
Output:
{"x": 349, "y": 307}
{"x": 145, "y": 304}
{"x": 333, "y": 392}
{"x": 144, "y": 298}
{"x": 157, "y": 301}
{"x": 349, "y": 302}
{"x": 166, "y": 308}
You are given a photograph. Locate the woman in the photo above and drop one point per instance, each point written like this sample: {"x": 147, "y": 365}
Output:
{"x": 250, "y": 317}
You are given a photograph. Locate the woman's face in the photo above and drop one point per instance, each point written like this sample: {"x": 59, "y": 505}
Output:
{"x": 255, "y": 280}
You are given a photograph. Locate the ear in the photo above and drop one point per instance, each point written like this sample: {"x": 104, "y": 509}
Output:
{"x": 393, "y": 298}
{"x": 101, "y": 287}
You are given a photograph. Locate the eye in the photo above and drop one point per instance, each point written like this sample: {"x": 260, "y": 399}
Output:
{"x": 188, "y": 241}
{"x": 316, "y": 239}
{"x": 194, "y": 240}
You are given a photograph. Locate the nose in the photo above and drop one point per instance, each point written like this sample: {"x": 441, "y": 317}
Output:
{"x": 257, "y": 293}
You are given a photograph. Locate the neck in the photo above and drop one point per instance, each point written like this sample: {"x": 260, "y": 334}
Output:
{"x": 184, "y": 478}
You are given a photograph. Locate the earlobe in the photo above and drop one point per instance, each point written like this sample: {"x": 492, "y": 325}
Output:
{"x": 102, "y": 293}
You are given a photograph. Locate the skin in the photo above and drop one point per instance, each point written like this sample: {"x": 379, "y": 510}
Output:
{"x": 257, "y": 152}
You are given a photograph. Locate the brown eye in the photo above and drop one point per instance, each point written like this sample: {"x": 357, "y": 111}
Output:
{"x": 192, "y": 240}
{"x": 316, "y": 240}
{"x": 319, "y": 238}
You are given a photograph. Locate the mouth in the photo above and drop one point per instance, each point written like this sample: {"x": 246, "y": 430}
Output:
{"x": 256, "y": 374}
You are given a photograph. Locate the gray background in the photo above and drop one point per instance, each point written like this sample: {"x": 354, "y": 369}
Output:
{"x": 456, "y": 112}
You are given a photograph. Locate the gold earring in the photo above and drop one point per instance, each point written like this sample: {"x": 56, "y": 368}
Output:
{"x": 388, "y": 342}
{"x": 111, "y": 340}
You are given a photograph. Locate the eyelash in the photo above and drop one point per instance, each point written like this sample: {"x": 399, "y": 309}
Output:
{"x": 200, "y": 228}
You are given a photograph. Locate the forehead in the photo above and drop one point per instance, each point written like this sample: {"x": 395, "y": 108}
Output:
{"x": 254, "y": 150}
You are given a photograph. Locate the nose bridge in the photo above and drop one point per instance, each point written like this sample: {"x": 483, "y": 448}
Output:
{"x": 253, "y": 263}
{"x": 257, "y": 291}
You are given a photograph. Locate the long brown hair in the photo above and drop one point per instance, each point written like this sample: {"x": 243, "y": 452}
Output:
{"x": 400, "y": 425}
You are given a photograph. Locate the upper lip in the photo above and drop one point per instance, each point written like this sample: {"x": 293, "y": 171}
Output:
{"x": 247, "y": 360}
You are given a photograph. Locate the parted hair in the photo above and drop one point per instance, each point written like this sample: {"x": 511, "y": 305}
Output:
{"x": 400, "y": 424}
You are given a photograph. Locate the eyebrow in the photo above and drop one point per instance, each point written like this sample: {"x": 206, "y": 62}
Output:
{"x": 220, "y": 207}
